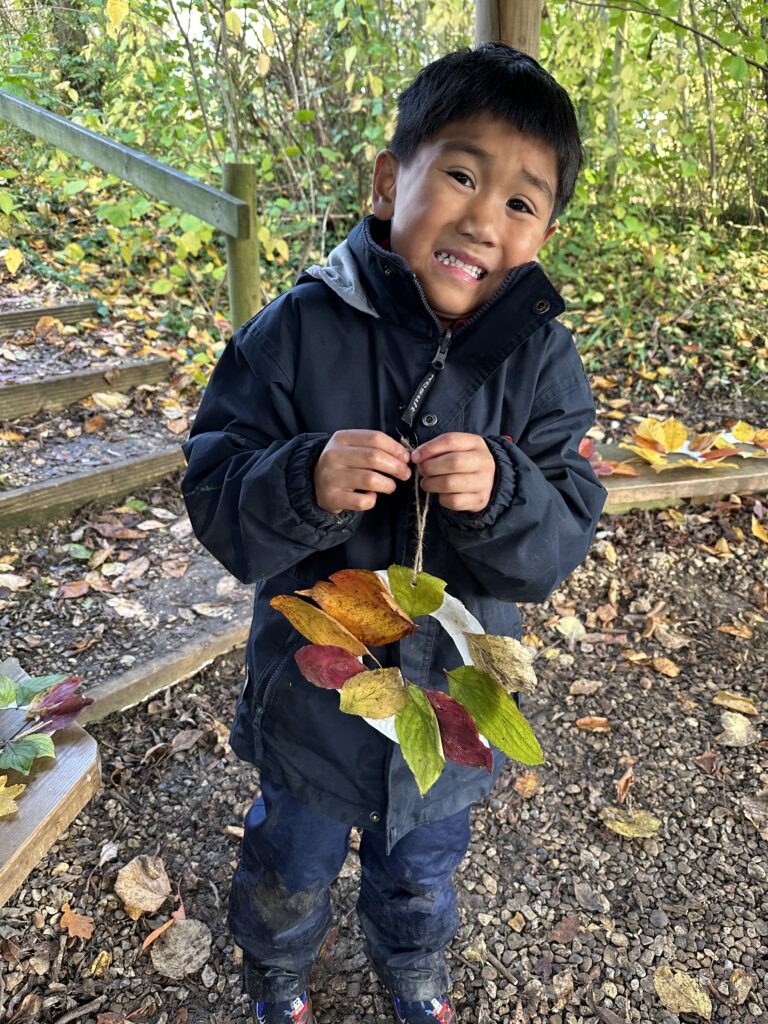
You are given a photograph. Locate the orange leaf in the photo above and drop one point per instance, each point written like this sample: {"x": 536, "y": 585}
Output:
{"x": 315, "y": 625}
{"x": 593, "y": 724}
{"x": 528, "y": 784}
{"x": 77, "y": 925}
{"x": 95, "y": 423}
{"x": 358, "y": 599}
{"x": 156, "y": 933}
{"x": 624, "y": 785}
{"x": 77, "y": 588}
{"x": 666, "y": 666}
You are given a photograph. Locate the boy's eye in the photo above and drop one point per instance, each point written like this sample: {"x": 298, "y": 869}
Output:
{"x": 459, "y": 175}
{"x": 519, "y": 204}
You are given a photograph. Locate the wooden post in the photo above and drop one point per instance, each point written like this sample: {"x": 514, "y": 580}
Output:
{"x": 243, "y": 253}
{"x": 514, "y": 22}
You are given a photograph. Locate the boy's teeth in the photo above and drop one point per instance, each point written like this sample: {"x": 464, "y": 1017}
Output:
{"x": 444, "y": 257}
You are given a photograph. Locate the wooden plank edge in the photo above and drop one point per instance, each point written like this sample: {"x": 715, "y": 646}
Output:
{"x": 68, "y": 313}
{"x": 39, "y": 842}
{"x": 707, "y": 485}
{"x": 39, "y": 503}
{"x": 59, "y": 391}
{"x": 130, "y": 688}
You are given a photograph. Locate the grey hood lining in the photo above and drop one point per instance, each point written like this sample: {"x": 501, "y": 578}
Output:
{"x": 342, "y": 275}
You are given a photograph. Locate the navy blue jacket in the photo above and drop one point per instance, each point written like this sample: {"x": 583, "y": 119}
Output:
{"x": 345, "y": 348}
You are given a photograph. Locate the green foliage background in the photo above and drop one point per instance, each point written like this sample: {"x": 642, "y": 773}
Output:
{"x": 661, "y": 256}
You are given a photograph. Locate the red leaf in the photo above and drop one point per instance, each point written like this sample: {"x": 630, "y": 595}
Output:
{"x": 63, "y": 714}
{"x": 461, "y": 741}
{"x": 327, "y": 666}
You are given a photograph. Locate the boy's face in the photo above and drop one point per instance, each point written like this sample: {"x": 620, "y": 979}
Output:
{"x": 480, "y": 192}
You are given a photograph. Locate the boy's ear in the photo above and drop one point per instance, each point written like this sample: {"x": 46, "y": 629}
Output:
{"x": 384, "y": 183}
{"x": 547, "y": 235}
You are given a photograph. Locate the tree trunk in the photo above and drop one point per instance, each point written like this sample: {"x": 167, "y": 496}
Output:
{"x": 612, "y": 163}
{"x": 514, "y": 22}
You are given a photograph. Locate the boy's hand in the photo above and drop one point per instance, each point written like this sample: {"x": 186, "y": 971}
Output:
{"x": 354, "y": 466}
{"x": 458, "y": 467}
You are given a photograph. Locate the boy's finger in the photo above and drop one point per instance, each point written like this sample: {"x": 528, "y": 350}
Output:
{"x": 376, "y": 459}
{"x": 451, "y": 442}
{"x": 374, "y": 439}
{"x": 451, "y": 462}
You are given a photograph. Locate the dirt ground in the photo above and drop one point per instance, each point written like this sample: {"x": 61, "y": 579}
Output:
{"x": 563, "y": 920}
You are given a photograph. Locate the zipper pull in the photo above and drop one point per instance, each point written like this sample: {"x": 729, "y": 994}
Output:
{"x": 442, "y": 350}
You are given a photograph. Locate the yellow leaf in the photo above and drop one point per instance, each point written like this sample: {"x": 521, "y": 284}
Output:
{"x": 761, "y": 438}
{"x": 666, "y": 666}
{"x": 681, "y": 994}
{"x": 13, "y": 258}
{"x": 76, "y": 924}
{"x": 670, "y": 434}
{"x": 8, "y": 795}
{"x": 528, "y": 784}
{"x": 504, "y": 659}
{"x": 10, "y": 435}
{"x": 281, "y": 247}
{"x": 735, "y": 702}
{"x": 117, "y": 12}
{"x": 262, "y": 64}
{"x": 267, "y": 36}
{"x": 733, "y": 629}
{"x": 376, "y": 694}
{"x": 639, "y": 824}
{"x": 360, "y": 601}
{"x": 315, "y": 625}
{"x": 233, "y": 23}
{"x": 101, "y": 963}
{"x": 743, "y": 431}
{"x": 655, "y": 458}
{"x": 637, "y": 657}
{"x": 759, "y": 531}
{"x": 571, "y": 627}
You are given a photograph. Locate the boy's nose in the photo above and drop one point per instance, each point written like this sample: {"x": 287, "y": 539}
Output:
{"x": 479, "y": 222}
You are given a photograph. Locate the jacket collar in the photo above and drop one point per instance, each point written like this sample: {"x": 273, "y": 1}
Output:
{"x": 367, "y": 275}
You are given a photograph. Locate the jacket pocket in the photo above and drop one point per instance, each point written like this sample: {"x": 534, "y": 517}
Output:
{"x": 264, "y": 686}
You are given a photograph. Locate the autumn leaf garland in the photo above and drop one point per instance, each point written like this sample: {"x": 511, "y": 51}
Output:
{"x": 357, "y": 609}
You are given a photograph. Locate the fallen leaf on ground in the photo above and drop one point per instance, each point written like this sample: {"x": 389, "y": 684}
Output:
{"x": 735, "y": 702}
{"x": 639, "y": 824}
{"x": 185, "y": 740}
{"x": 707, "y": 761}
{"x": 680, "y": 993}
{"x": 571, "y": 627}
{"x": 182, "y": 950}
{"x": 142, "y": 885}
{"x": 94, "y": 423}
{"x": 743, "y": 982}
{"x": 127, "y": 608}
{"x": 13, "y": 582}
{"x": 736, "y": 629}
{"x": 528, "y": 784}
{"x": 737, "y": 731}
{"x": 666, "y": 667}
{"x": 756, "y": 811}
{"x": 505, "y": 659}
{"x": 180, "y": 426}
{"x": 109, "y": 400}
{"x": 8, "y": 796}
{"x": 78, "y": 925}
{"x": 100, "y": 963}
{"x": 566, "y": 929}
{"x": 624, "y": 785}
{"x": 11, "y": 435}
{"x": 592, "y": 723}
{"x": 585, "y": 687}
{"x": 562, "y": 984}
{"x": 177, "y": 915}
{"x": 636, "y": 657}
{"x": 108, "y": 853}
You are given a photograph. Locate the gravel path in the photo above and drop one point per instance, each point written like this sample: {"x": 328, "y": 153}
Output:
{"x": 563, "y": 921}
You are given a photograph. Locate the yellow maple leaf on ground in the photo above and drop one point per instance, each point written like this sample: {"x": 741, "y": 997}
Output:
{"x": 743, "y": 431}
{"x": 8, "y": 795}
{"x": 663, "y": 435}
{"x": 13, "y": 258}
{"x": 758, "y": 530}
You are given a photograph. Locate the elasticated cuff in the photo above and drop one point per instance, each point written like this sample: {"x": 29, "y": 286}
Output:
{"x": 300, "y": 484}
{"x": 501, "y": 495}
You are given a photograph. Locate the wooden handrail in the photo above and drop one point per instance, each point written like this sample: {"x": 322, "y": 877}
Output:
{"x": 211, "y": 205}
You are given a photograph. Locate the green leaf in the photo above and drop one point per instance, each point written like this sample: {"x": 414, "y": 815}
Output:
{"x": 737, "y": 68}
{"x": 496, "y": 714}
{"x": 425, "y": 597}
{"x": 71, "y": 188}
{"x": 137, "y": 504}
{"x": 7, "y": 692}
{"x": 74, "y": 252}
{"x": 349, "y": 55}
{"x": 6, "y": 202}
{"x": 79, "y": 551}
{"x": 19, "y": 754}
{"x": 162, "y": 286}
{"x": 305, "y": 115}
{"x": 29, "y": 688}
{"x": 419, "y": 735}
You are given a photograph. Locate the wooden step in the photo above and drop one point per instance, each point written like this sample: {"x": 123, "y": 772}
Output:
{"x": 60, "y": 390}
{"x": 125, "y": 689}
{"x": 57, "y": 790}
{"x": 650, "y": 489}
{"x": 42, "y": 502}
{"x": 68, "y": 312}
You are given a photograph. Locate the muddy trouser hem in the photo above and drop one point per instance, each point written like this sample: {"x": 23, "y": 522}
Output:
{"x": 279, "y": 909}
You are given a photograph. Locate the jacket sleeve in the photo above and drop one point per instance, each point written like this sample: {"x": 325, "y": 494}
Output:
{"x": 546, "y": 502}
{"x": 249, "y": 484}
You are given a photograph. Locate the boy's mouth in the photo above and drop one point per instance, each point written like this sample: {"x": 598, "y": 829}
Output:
{"x": 464, "y": 267}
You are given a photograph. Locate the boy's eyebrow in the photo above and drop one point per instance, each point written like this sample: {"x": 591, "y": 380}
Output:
{"x": 467, "y": 146}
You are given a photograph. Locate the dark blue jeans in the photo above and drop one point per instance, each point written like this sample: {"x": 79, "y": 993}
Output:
{"x": 280, "y": 912}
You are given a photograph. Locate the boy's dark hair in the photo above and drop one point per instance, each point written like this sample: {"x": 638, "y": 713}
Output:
{"x": 492, "y": 79}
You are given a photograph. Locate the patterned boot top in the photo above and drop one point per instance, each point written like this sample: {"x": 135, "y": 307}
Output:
{"x": 427, "y": 1011}
{"x": 289, "y": 1011}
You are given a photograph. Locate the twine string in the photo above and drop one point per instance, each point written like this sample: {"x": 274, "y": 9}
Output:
{"x": 421, "y": 517}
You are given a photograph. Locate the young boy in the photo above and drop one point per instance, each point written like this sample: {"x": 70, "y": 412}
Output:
{"x": 434, "y": 323}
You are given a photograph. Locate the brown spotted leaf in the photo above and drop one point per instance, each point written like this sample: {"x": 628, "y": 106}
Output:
{"x": 360, "y": 601}
{"x": 681, "y": 994}
{"x": 376, "y": 694}
{"x": 458, "y": 732}
{"x": 504, "y": 659}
